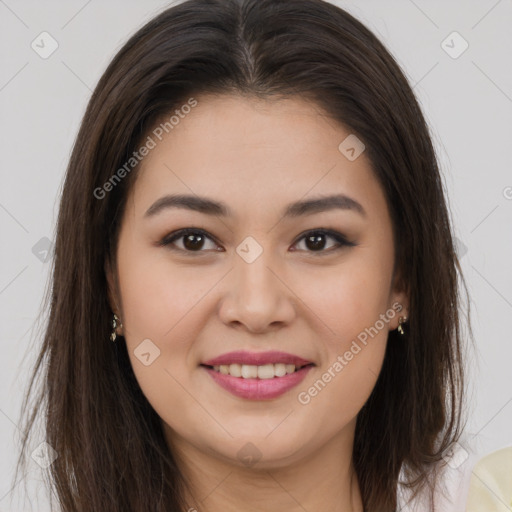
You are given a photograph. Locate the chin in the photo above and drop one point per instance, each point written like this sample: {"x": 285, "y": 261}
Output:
{"x": 261, "y": 450}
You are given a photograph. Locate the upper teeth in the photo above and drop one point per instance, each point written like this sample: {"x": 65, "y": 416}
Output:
{"x": 248, "y": 371}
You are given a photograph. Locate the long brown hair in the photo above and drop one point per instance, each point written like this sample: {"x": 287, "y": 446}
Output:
{"x": 112, "y": 455}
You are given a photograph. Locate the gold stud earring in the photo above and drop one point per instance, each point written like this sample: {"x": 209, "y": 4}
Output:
{"x": 401, "y": 321}
{"x": 115, "y": 324}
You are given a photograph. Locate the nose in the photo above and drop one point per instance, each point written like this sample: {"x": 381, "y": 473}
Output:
{"x": 257, "y": 297}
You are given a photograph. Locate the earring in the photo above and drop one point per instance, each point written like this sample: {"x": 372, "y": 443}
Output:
{"x": 401, "y": 321}
{"x": 115, "y": 319}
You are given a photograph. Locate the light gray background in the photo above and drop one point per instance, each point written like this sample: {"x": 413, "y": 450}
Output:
{"x": 467, "y": 101}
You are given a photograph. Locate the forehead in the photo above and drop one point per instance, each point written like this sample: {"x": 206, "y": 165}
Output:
{"x": 253, "y": 154}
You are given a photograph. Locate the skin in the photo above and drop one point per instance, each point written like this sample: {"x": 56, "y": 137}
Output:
{"x": 257, "y": 157}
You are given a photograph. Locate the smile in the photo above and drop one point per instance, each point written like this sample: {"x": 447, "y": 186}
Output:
{"x": 266, "y": 371}
{"x": 257, "y": 375}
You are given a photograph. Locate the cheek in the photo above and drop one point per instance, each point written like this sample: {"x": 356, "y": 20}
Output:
{"x": 347, "y": 298}
{"x": 157, "y": 295}
{"x": 349, "y": 303}
{"x": 160, "y": 304}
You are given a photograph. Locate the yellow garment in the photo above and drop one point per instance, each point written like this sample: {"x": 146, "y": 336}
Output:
{"x": 490, "y": 487}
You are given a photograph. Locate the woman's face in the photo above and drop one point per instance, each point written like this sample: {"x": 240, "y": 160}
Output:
{"x": 256, "y": 284}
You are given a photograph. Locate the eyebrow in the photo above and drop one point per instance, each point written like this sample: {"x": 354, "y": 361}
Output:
{"x": 217, "y": 208}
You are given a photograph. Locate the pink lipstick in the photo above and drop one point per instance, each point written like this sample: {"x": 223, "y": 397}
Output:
{"x": 257, "y": 375}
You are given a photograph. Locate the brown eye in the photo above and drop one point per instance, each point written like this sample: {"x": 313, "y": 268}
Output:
{"x": 192, "y": 240}
{"x": 315, "y": 241}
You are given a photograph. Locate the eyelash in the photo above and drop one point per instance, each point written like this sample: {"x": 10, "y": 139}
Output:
{"x": 169, "y": 239}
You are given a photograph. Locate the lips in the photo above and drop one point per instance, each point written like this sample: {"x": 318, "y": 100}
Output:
{"x": 257, "y": 375}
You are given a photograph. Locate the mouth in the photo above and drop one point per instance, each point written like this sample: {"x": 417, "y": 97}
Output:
{"x": 249, "y": 371}
{"x": 257, "y": 375}
{"x": 257, "y": 365}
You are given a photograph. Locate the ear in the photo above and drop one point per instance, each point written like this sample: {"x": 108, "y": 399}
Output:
{"x": 398, "y": 301}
